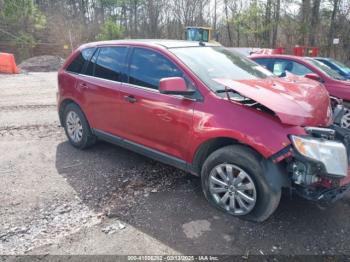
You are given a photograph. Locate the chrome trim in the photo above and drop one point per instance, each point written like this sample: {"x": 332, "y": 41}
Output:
{"x": 134, "y": 86}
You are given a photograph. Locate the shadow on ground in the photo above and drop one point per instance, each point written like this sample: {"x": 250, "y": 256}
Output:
{"x": 168, "y": 205}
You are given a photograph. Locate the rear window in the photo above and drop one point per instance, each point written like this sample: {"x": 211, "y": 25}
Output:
{"x": 77, "y": 65}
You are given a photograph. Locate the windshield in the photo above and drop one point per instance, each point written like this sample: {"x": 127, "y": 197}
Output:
{"x": 209, "y": 63}
{"x": 343, "y": 67}
{"x": 325, "y": 69}
{"x": 197, "y": 34}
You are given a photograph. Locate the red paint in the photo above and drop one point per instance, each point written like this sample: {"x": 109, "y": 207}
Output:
{"x": 178, "y": 126}
{"x": 295, "y": 103}
{"x": 172, "y": 84}
{"x": 337, "y": 88}
{"x": 305, "y": 51}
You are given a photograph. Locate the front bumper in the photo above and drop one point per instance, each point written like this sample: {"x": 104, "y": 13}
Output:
{"x": 310, "y": 178}
{"x": 325, "y": 194}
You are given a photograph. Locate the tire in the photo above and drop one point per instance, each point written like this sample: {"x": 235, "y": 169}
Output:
{"x": 73, "y": 116}
{"x": 247, "y": 194}
{"x": 345, "y": 120}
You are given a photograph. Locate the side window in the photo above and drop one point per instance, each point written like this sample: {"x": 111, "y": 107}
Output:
{"x": 148, "y": 67}
{"x": 265, "y": 62}
{"x": 78, "y": 63}
{"x": 278, "y": 68}
{"x": 110, "y": 63}
{"x": 300, "y": 69}
{"x": 90, "y": 69}
{"x": 282, "y": 66}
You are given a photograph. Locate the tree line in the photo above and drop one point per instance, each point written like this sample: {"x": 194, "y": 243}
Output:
{"x": 31, "y": 27}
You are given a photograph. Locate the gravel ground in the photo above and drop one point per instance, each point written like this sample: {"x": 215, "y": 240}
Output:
{"x": 55, "y": 199}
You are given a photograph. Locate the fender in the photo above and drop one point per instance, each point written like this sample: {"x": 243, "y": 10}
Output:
{"x": 276, "y": 176}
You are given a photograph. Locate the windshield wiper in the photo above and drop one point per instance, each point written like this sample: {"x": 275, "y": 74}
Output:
{"x": 225, "y": 91}
{"x": 228, "y": 91}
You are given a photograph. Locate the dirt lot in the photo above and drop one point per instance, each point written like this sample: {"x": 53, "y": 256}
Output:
{"x": 106, "y": 200}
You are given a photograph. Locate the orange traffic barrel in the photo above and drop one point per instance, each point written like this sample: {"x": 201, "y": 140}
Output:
{"x": 8, "y": 64}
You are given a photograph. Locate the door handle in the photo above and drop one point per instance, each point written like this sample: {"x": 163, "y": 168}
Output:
{"x": 83, "y": 85}
{"x": 130, "y": 99}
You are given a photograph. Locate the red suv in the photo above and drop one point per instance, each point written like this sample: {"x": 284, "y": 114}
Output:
{"x": 337, "y": 85}
{"x": 210, "y": 112}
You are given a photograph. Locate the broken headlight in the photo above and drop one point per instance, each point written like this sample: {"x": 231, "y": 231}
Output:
{"x": 331, "y": 153}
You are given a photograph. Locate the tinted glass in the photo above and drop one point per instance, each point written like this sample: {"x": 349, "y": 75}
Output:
{"x": 110, "y": 63}
{"x": 148, "y": 67}
{"x": 78, "y": 63}
{"x": 90, "y": 69}
{"x": 209, "y": 63}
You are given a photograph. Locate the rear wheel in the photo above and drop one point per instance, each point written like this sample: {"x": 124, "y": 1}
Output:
{"x": 232, "y": 181}
{"x": 77, "y": 128}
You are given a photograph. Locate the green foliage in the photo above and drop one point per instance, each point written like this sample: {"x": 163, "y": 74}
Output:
{"x": 110, "y": 31}
{"x": 23, "y": 19}
{"x": 25, "y": 43}
{"x": 22, "y": 13}
{"x": 251, "y": 22}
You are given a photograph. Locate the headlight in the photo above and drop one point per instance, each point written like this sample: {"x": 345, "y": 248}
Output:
{"x": 331, "y": 153}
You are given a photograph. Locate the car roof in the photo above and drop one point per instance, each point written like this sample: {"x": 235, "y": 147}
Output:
{"x": 166, "y": 43}
{"x": 275, "y": 56}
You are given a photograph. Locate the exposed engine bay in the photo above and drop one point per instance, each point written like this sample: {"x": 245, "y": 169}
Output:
{"x": 232, "y": 95}
{"x": 317, "y": 163}
{"x": 322, "y": 179}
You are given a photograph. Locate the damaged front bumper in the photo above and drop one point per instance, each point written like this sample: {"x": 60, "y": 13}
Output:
{"x": 325, "y": 194}
{"x": 318, "y": 172}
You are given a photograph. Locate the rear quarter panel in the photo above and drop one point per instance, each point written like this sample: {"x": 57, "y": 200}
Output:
{"x": 67, "y": 89}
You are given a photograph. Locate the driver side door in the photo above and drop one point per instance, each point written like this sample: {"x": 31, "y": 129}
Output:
{"x": 157, "y": 121}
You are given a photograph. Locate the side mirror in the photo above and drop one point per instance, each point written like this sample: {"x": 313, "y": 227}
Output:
{"x": 314, "y": 77}
{"x": 283, "y": 74}
{"x": 174, "y": 86}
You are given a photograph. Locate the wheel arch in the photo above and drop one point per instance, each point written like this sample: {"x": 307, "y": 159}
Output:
{"x": 211, "y": 145}
{"x": 274, "y": 173}
{"x": 62, "y": 107}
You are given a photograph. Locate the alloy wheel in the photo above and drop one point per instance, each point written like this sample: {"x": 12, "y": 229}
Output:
{"x": 232, "y": 188}
{"x": 74, "y": 127}
{"x": 345, "y": 120}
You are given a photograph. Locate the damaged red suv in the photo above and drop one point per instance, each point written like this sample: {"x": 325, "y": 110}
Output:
{"x": 210, "y": 112}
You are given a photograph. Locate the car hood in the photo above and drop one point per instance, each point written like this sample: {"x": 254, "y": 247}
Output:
{"x": 294, "y": 100}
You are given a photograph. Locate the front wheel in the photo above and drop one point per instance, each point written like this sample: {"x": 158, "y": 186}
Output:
{"x": 345, "y": 120}
{"x": 233, "y": 181}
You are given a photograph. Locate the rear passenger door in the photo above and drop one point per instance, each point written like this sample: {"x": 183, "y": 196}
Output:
{"x": 149, "y": 118}
{"x": 102, "y": 80}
